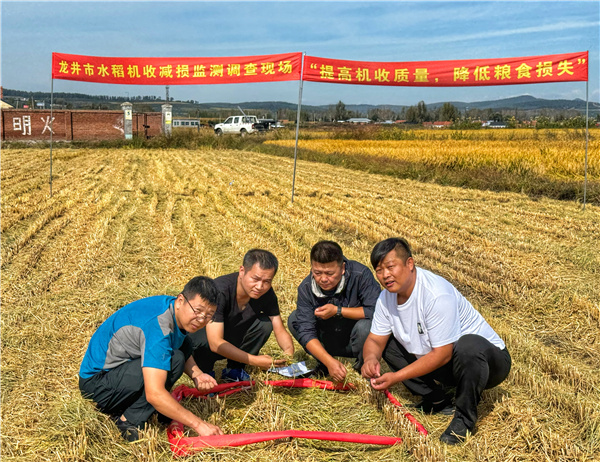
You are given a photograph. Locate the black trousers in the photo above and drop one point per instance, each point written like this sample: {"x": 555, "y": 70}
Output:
{"x": 345, "y": 338}
{"x": 121, "y": 390}
{"x": 476, "y": 365}
{"x": 250, "y": 340}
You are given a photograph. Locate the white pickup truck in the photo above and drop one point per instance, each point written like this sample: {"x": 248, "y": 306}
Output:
{"x": 240, "y": 124}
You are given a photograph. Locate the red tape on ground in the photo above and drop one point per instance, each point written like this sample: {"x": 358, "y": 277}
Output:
{"x": 226, "y": 389}
{"x": 183, "y": 446}
{"x": 187, "y": 446}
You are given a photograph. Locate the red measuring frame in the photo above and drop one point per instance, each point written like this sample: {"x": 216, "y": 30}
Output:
{"x": 183, "y": 446}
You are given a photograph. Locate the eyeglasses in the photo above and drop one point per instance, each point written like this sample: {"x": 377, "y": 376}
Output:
{"x": 200, "y": 316}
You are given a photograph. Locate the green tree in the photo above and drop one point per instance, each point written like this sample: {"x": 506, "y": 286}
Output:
{"x": 510, "y": 121}
{"x": 449, "y": 112}
{"x": 412, "y": 115}
{"x": 422, "y": 114}
{"x": 340, "y": 111}
{"x": 417, "y": 114}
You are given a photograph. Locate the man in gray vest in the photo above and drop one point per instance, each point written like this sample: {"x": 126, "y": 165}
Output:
{"x": 334, "y": 309}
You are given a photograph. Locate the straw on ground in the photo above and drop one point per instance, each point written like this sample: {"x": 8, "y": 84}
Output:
{"x": 124, "y": 224}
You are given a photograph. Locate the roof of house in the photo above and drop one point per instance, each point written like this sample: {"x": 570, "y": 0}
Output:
{"x": 437, "y": 124}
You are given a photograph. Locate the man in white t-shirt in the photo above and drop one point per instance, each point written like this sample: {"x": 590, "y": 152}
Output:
{"x": 427, "y": 331}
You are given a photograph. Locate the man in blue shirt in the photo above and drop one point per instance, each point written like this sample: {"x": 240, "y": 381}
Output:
{"x": 138, "y": 353}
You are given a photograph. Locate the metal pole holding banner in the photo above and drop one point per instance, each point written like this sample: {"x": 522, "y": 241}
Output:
{"x": 587, "y": 137}
{"x": 298, "y": 123}
{"x": 51, "y": 127}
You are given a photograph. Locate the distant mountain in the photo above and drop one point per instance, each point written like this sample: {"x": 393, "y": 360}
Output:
{"x": 528, "y": 104}
{"x": 524, "y": 102}
{"x": 263, "y": 106}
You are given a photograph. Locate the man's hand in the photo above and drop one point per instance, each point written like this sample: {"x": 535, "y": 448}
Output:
{"x": 370, "y": 369}
{"x": 283, "y": 337}
{"x": 206, "y": 429}
{"x": 326, "y": 311}
{"x": 384, "y": 382}
{"x": 158, "y": 396}
{"x": 288, "y": 356}
{"x": 266, "y": 362}
{"x": 284, "y": 360}
{"x": 337, "y": 370}
{"x": 204, "y": 382}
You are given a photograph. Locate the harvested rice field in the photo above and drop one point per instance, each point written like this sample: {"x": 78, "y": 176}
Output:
{"x": 125, "y": 224}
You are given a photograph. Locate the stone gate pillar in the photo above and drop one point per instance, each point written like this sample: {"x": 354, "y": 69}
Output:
{"x": 167, "y": 117}
{"x": 127, "y": 120}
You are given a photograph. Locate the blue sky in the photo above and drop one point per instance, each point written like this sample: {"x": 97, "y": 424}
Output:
{"x": 365, "y": 30}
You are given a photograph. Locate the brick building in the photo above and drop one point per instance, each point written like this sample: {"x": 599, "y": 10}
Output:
{"x": 34, "y": 124}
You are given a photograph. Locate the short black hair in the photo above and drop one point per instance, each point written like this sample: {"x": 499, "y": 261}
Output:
{"x": 381, "y": 249}
{"x": 327, "y": 252}
{"x": 203, "y": 286}
{"x": 265, "y": 259}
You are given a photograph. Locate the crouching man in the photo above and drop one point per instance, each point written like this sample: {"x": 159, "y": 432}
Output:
{"x": 134, "y": 358}
{"x": 427, "y": 331}
{"x": 334, "y": 309}
{"x": 247, "y": 314}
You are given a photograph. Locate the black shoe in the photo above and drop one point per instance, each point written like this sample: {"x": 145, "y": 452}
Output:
{"x": 443, "y": 407}
{"x": 456, "y": 432}
{"x": 128, "y": 430}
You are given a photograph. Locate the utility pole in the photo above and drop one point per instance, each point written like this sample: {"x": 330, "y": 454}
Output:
{"x": 167, "y": 91}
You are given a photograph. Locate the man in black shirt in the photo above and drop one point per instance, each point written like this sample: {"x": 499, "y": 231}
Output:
{"x": 247, "y": 312}
{"x": 335, "y": 306}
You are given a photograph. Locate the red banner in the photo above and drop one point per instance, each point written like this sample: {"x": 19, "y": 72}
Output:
{"x": 281, "y": 67}
{"x": 177, "y": 71}
{"x": 464, "y": 73}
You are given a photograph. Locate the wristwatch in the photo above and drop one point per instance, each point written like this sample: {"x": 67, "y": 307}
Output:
{"x": 339, "y": 310}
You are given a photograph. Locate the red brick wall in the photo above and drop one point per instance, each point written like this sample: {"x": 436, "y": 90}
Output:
{"x": 33, "y": 124}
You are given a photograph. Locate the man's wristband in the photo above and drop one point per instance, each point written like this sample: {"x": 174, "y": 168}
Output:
{"x": 339, "y": 310}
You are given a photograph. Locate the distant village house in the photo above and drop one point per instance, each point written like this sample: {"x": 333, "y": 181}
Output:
{"x": 494, "y": 124}
{"x": 438, "y": 124}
